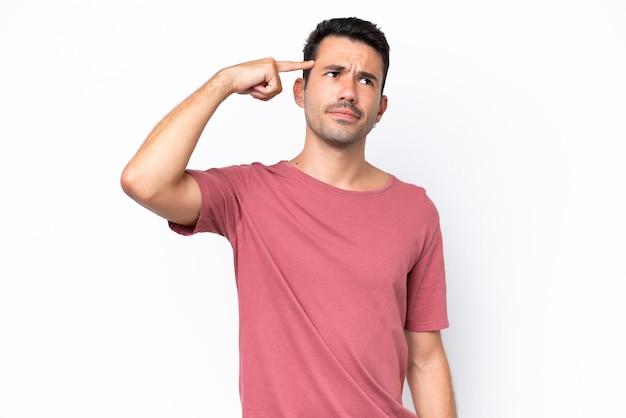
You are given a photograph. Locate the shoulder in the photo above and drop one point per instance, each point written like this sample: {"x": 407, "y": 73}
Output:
{"x": 413, "y": 199}
{"x": 411, "y": 190}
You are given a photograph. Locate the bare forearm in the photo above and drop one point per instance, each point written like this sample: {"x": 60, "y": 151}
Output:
{"x": 431, "y": 389}
{"x": 164, "y": 155}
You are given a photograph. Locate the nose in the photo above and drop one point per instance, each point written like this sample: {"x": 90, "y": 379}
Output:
{"x": 347, "y": 91}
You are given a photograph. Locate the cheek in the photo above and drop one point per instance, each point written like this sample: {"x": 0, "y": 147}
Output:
{"x": 311, "y": 102}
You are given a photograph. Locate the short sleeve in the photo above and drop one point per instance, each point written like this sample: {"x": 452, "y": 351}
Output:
{"x": 222, "y": 191}
{"x": 426, "y": 285}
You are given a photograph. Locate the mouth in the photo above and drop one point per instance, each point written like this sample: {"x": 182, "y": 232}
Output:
{"x": 344, "y": 110}
{"x": 344, "y": 114}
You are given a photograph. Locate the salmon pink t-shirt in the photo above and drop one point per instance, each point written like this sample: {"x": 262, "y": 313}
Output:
{"x": 327, "y": 281}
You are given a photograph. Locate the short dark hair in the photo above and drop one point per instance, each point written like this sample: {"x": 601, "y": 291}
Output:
{"x": 352, "y": 28}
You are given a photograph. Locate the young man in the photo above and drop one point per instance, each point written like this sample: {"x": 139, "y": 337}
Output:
{"x": 339, "y": 265}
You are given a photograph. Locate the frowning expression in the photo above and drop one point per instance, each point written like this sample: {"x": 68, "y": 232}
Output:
{"x": 342, "y": 98}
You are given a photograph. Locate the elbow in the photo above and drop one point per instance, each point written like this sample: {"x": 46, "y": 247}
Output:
{"x": 135, "y": 185}
{"x": 128, "y": 181}
{"x": 171, "y": 200}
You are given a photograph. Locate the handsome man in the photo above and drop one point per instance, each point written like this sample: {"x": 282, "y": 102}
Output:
{"x": 339, "y": 265}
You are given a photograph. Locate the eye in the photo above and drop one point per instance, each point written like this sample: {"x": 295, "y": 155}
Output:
{"x": 365, "y": 81}
{"x": 332, "y": 74}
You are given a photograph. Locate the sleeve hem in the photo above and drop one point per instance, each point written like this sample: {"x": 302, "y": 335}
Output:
{"x": 429, "y": 326}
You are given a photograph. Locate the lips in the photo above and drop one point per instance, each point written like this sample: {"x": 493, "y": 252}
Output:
{"x": 344, "y": 109}
{"x": 344, "y": 113}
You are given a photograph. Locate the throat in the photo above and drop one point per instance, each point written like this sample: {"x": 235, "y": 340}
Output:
{"x": 363, "y": 177}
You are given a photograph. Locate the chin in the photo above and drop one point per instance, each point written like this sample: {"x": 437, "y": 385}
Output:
{"x": 341, "y": 142}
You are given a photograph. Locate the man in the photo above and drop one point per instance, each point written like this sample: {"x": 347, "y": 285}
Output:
{"x": 339, "y": 265}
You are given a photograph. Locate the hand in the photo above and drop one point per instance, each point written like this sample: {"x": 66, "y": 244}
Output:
{"x": 260, "y": 78}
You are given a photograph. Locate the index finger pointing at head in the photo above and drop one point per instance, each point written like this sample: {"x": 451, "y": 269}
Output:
{"x": 284, "y": 66}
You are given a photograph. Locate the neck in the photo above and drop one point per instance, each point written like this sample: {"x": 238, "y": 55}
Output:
{"x": 341, "y": 167}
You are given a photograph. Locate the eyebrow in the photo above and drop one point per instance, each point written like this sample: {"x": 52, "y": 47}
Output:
{"x": 341, "y": 68}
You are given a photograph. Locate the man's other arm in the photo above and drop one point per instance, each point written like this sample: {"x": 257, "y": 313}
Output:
{"x": 428, "y": 375}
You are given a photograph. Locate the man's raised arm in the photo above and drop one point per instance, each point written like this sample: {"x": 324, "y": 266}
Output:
{"x": 155, "y": 177}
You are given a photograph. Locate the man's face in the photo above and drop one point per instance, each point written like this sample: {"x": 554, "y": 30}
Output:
{"x": 342, "y": 100}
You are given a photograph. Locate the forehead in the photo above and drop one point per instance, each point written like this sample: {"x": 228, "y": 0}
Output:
{"x": 342, "y": 51}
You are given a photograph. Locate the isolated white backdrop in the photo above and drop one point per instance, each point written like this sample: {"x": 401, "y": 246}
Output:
{"x": 510, "y": 114}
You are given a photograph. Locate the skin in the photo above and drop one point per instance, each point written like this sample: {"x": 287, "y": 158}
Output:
{"x": 342, "y": 102}
{"x": 428, "y": 375}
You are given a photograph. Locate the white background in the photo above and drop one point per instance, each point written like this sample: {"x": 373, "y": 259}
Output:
{"x": 510, "y": 114}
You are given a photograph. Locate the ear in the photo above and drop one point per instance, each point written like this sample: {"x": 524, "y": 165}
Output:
{"x": 381, "y": 108}
{"x": 298, "y": 91}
